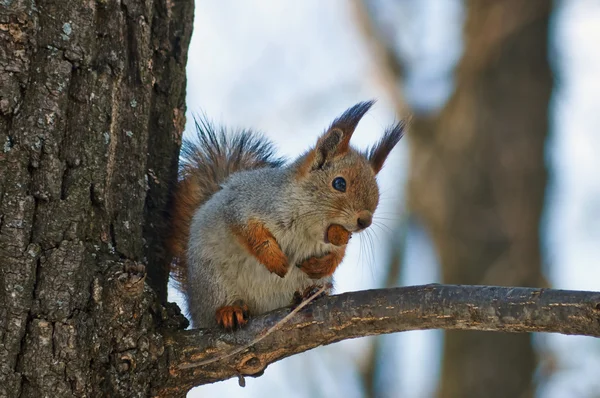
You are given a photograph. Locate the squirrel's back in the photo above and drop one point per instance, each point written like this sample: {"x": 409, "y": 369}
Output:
{"x": 206, "y": 163}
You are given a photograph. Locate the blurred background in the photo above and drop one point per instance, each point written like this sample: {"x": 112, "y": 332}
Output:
{"x": 497, "y": 182}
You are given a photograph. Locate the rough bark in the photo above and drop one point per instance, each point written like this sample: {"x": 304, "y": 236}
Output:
{"x": 374, "y": 312}
{"x": 91, "y": 113}
{"x": 478, "y": 180}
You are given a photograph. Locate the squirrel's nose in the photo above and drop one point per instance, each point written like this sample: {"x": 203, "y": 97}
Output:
{"x": 364, "y": 219}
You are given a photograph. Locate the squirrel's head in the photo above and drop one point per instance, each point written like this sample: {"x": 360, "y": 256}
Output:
{"x": 338, "y": 182}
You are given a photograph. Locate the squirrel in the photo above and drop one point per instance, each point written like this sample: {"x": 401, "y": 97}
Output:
{"x": 251, "y": 232}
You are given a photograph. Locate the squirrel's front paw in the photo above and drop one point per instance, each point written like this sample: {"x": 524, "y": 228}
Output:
{"x": 320, "y": 267}
{"x": 338, "y": 235}
{"x": 231, "y": 317}
{"x": 276, "y": 262}
{"x": 261, "y": 243}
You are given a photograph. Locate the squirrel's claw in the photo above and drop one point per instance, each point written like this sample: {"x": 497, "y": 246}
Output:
{"x": 299, "y": 297}
{"x": 232, "y": 317}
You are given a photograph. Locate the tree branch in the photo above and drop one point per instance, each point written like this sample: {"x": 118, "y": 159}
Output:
{"x": 371, "y": 312}
{"x": 387, "y": 64}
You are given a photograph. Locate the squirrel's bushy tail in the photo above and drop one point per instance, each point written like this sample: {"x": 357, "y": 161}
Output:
{"x": 205, "y": 163}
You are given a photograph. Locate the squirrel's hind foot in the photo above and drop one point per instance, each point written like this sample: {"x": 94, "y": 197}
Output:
{"x": 232, "y": 317}
{"x": 299, "y": 297}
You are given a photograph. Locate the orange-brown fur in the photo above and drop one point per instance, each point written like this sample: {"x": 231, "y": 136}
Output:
{"x": 232, "y": 316}
{"x": 338, "y": 235}
{"x": 261, "y": 243}
{"x": 320, "y": 267}
{"x": 304, "y": 167}
{"x": 186, "y": 201}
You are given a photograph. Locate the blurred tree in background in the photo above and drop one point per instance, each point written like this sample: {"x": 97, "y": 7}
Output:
{"x": 477, "y": 177}
{"x": 478, "y": 180}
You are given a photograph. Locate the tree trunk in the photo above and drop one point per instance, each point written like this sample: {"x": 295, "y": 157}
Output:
{"x": 92, "y": 104}
{"x": 478, "y": 180}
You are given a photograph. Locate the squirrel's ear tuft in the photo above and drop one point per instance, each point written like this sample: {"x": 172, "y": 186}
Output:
{"x": 347, "y": 123}
{"x": 380, "y": 151}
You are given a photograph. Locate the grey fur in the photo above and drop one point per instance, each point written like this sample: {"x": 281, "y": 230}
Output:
{"x": 221, "y": 271}
{"x": 296, "y": 210}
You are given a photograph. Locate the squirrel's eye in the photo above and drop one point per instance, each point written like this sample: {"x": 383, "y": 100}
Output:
{"x": 339, "y": 184}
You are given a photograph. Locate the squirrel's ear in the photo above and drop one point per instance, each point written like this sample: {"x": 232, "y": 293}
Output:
{"x": 327, "y": 147}
{"x": 324, "y": 150}
{"x": 380, "y": 151}
{"x": 336, "y": 141}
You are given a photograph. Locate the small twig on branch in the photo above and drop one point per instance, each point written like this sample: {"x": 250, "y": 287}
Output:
{"x": 259, "y": 338}
{"x": 372, "y": 312}
{"x": 386, "y": 62}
